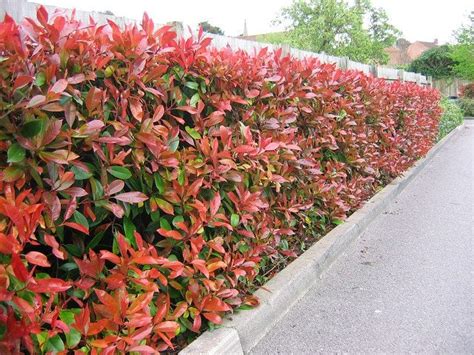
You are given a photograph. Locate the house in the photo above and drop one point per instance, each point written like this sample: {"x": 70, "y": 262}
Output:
{"x": 404, "y": 52}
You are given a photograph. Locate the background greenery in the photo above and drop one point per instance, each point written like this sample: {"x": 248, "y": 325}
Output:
{"x": 359, "y": 31}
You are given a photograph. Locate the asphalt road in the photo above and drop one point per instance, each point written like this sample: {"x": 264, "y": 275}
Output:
{"x": 407, "y": 284}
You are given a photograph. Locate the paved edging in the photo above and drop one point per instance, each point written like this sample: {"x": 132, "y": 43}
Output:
{"x": 240, "y": 332}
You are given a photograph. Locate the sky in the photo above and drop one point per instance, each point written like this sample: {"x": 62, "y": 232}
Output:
{"x": 423, "y": 20}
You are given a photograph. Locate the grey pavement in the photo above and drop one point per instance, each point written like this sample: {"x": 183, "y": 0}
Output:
{"x": 407, "y": 284}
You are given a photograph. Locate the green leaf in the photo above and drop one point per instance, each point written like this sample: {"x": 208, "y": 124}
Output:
{"x": 97, "y": 189}
{"x": 96, "y": 240}
{"x": 129, "y": 229}
{"x": 243, "y": 248}
{"x": 73, "y": 338}
{"x": 192, "y": 85}
{"x": 40, "y": 79}
{"x": 177, "y": 219}
{"x": 234, "y": 219}
{"x": 54, "y": 344}
{"x": 193, "y": 133}
{"x": 68, "y": 267}
{"x": 337, "y": 222}
{"x": 12, "y": 173}
{"x": 120, "y": 172}
{"x": 109, "y": 71}
{"x": 159, "y": 183}
{"x": 81, "y": 219}
{"x": 181, "y": 176}
{"x": 194, "y": 99}
{"x": 31, "y": 128}
{"x": 67, "y": 316}
{"x": 165, "y": 224}
{"x": 173, "y": 144}
{"x": 80, "y": 174}
{"x": 16, "y": 153}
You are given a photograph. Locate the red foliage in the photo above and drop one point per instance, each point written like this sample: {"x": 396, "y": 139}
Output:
{"x": 467, "y": 91}
{"x": 147, "y": 181}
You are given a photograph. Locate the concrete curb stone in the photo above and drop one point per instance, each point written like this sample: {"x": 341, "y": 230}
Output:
{"x": 241, "y": 331}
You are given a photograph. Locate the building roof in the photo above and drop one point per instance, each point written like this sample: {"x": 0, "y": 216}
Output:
{"x": 405, "y": 52}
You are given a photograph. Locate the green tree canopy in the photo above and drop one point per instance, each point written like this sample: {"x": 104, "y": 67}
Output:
{"x": 360, "y": 32}
{"x": 207, "y": 27}
{"x": 463, "y": 52}
{"x": 436, "y": 62}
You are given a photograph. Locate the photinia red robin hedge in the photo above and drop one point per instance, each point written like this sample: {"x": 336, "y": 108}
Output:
{"x": 150, "y": 184}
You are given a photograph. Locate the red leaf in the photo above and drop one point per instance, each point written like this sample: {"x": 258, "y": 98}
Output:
{"x": 37, "y": 258}
{"x": 252, "y": 93}
{"x": 19, "y": 268}
{"x": 213, "y": 317}
{"x": 215, "y": 304}
{"x": 59, "y": 86}
{"x": 167, "y": 327}
{"x": 136, "y": 108}
{"x": 170, "y": 234}
{"x": 272, "y": 146}
{"x": 36, "y": 100}
{"x": 201, "y": 266}
{"x": 21, "y": 81}
{"x": 215, "y": 203}
{"x": 131, "y": 197}
{"x": 78, "y": 227}
{"x": 244, "y": 149}
{"x": 49, "y": 285}
{"x": 116, "y": 186}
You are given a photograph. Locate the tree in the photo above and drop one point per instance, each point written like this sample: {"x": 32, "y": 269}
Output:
{"x": 465, "y": 33}
{"x": 336, "y": 28}
{"x": 463, "y": 52}
{"x": 436, "y": 62}
{"x": 207, "y": 27}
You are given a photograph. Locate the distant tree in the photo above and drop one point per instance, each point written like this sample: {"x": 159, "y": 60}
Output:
{"x": 436, "y": 62}
{"x": 463, "y": 51}
{"x": 207, "y": 27}
{"x": 465, "y": 33}
{"x": 337, "y": 28}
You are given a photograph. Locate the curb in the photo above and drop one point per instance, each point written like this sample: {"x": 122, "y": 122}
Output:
{"x": 241, "y": 331}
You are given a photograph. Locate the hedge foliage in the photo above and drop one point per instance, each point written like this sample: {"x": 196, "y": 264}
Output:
{"x": 451, "y": 117}
{"x": 148, "y": 182}
{"x": 466, "y": 100}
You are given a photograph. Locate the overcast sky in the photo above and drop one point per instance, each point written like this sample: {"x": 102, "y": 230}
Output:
{"x": 422, "y": 20}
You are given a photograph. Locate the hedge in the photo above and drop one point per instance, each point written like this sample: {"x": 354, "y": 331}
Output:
{"x": 466, "y": 100}
{"x": 451, "y": 117}
{"x": 150, "y": 184}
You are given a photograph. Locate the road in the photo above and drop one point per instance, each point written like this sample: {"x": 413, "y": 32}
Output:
{"x": 407, "y": 284}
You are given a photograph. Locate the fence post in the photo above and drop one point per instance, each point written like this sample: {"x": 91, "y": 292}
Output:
{"x": 429, "y": 81}
{"x": 418, "y": 78}
{"x": 401, "y": 75}
{"x": 285, "y": 49}
{"x": 344, "y": 63}
{"x": 374, "y": 70}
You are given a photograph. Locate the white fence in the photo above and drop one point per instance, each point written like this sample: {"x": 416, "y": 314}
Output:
{"x": 19, "y": 9}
